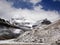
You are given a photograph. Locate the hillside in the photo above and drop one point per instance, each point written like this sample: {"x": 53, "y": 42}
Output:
{"x": 43, "y": 34}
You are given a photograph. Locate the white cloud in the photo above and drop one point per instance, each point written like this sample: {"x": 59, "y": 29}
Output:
{"x": 35, "y": 1}
{"x": 34, "y": 15}
{"x": 7, "y": 11}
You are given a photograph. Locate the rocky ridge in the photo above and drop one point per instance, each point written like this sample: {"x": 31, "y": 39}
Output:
{"x": 45, "y": 34}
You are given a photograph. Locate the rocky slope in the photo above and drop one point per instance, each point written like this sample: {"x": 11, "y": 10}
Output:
{"x": 42, "y": 34}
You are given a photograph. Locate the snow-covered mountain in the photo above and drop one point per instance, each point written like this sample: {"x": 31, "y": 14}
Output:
{"x": 21, "y": 22}
{"x": 24, "y": 24}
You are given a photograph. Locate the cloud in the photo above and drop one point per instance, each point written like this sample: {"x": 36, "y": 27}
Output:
{"x": 38, "y": 14}
{"x": 32, "y": 1}
{"x": 35, "y": 1}
{"x": 8, "y": 12}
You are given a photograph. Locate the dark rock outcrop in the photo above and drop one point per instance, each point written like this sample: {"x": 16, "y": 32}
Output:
{"x": 45, "y": 21}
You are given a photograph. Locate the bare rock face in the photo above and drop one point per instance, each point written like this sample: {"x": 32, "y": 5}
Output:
{"x": 45, "y": 34}
{"x": 6, "y": 34}
{"x": 10, "y": 34}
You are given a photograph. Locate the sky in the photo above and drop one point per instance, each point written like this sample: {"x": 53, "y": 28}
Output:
{"x": 31, "y": 10}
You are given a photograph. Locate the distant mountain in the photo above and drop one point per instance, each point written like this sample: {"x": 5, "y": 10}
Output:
{"x": 17, "y": 25}
{"x": 7, "y": 24}
{"x": 10, "y": 31}
{"x": 23, "y": 23}
{"x": 7, "y": 30}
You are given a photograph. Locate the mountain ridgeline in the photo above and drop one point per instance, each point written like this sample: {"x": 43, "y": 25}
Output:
{"x": 7, "y": 24}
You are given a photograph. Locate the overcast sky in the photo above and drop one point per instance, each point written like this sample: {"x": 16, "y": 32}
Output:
{"x": 32, "y": 10}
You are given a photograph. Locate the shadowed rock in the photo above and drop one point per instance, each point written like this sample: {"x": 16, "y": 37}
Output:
{"x": 45, "y": 21}
{"x": 7, "y": 34}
